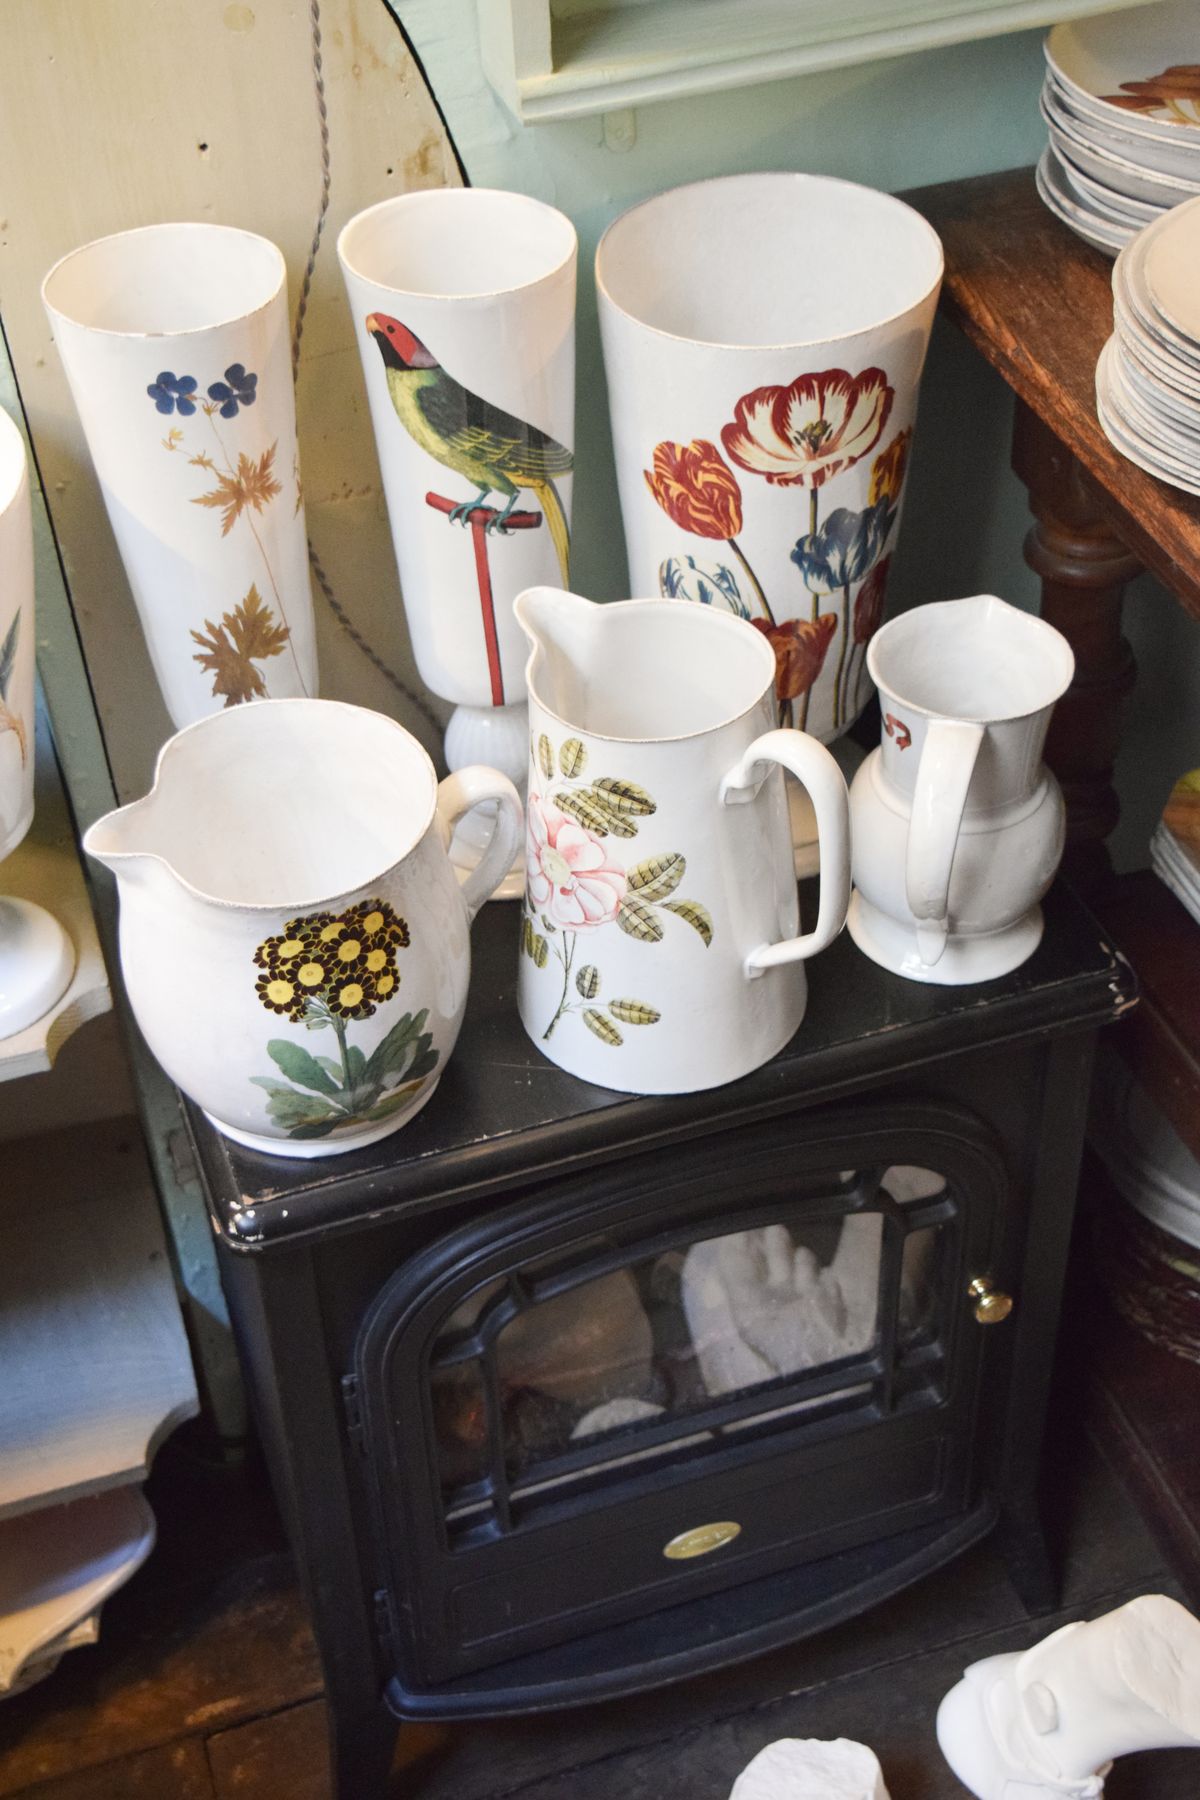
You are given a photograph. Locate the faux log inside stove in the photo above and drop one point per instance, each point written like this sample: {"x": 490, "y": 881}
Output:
{"x": 567, "y": 1394}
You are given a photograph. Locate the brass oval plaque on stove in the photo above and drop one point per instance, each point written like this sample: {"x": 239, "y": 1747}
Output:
{"x": 701, "y": 1539}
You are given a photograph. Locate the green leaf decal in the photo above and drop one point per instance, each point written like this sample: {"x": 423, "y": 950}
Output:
{"x": 392, "y": 1103}
{"x": 588, "y": 981}
{"x": 389, "y": 1056}
{"x": 634, "y": 1012}
{"x": 637, "y": 919}
{"x": 526, "y": 936}
{"x": 658, "y": 876}
{"x": 572, "y": 759}
{"x": 604, "y": 1028}
{"x": 299, "y": 1112}
{"x": 549, "y": 925}
{"x": 299, "y": 1066}
{"x": 8, "y": 654}
{"x": 697, "y": 916}
{"x": 545, "y": 756}
{"x": 583, "y": 808}
{"x": 625, "y": 796}
{"x": 539, "y": 950}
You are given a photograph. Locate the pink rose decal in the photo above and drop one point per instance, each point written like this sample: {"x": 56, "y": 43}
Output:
{"x": 567, "y": 874}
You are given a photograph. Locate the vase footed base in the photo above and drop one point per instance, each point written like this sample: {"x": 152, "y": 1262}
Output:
{"x": 497, "y": 736}
{"x": 327, "y": 1146}
{"x": 965, "y": 960}
{"x": 37, "y": 961}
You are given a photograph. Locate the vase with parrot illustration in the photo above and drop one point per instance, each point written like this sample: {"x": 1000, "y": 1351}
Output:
{"x": 307, "y": 995}
{"x": 177, "y": 346}
{"x": 660, "y": 937}
{"x": 764, "y": 337}
{"x": 464, "y": 308}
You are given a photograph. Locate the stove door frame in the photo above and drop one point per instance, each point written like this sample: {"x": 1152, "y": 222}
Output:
{"x": 431, "y": 1590}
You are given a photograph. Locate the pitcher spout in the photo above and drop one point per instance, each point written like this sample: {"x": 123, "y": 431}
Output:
{"x": 563, "y": 631}
{"x": 125, "y": 841}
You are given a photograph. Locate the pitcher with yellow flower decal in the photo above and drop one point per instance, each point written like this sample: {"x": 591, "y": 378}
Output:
{"x": 293, "y": 939}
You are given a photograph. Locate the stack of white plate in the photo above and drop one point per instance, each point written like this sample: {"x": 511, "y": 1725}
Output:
{"x": 1122, "y": 101}
{"x": 1175, "y": 843}
{"x": 1148, "y": 375}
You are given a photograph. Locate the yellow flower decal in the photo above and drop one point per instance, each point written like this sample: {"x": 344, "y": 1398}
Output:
{"x": 340, "y": 964}
{"x": 322, "y": 971}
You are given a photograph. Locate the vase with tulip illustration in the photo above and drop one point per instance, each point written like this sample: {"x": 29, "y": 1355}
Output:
{"x": 175, "y": 342}
{"x": 763, "y": 425}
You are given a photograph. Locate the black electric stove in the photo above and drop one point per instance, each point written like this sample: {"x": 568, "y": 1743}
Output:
{"x": 568, "y": 1393}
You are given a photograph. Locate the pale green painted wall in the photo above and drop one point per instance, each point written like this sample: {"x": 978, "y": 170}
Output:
{"x": 896, "y": 124}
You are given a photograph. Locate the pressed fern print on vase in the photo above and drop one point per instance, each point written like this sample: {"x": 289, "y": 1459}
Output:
{"x": 307, "y": 997}
{"x": 659, "y": 951}
{"x": 175, "y": 342}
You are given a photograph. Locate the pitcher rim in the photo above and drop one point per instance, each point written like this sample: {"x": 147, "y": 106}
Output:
{"x": 275, "y": 906}
{"x": 723, "y": 619}
{"x": 991, "y": 718}
{"x": 810, "y": 343}
{"x": 190, "y": 331}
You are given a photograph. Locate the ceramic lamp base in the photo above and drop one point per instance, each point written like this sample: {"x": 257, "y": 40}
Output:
{"x": 37, "y": 961}
{"x": 326, "y": 1146}
{"x": 499, "y": 737}
{"x": 965, "y": 960}
{"x": 848, "y": 756}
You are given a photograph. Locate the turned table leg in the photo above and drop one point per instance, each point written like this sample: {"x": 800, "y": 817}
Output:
{"x": 1084, "y": 569}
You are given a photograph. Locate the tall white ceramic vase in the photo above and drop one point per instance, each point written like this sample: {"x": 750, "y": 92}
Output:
{"x": 37, "y": 959}
{"x": 175, "y": 341}
{"x": 464, "y": 309}
{"x": 764, "y": 337}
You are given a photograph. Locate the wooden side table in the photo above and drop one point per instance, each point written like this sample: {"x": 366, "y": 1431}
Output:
{"x": 1037, "y": 303}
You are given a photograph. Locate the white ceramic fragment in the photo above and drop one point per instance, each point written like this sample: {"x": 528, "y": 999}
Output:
{"x": 810, "y": 1769}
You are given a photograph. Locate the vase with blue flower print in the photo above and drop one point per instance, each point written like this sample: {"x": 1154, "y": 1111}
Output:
{"x": 175, "y": 342}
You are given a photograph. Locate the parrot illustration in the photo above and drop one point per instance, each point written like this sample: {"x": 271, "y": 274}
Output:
{"x": 482, "y": 442}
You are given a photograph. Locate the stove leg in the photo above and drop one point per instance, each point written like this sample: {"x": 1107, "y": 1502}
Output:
{"x": 1021, "y": 1541}
{"x": 361, "y": 1748}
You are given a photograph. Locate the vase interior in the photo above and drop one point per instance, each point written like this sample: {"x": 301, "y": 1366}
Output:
{"x": 754, "y": 261}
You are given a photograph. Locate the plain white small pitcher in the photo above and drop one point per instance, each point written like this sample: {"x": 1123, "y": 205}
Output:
{"x": 294, "y": 942}
{"x": 957, "y": 824}
{"x": 660, "y": 946}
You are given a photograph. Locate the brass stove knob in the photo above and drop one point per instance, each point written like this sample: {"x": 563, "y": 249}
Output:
{"x": 992, "y": 1305}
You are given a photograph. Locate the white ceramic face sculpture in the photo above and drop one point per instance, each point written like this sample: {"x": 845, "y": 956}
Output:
{"x": 1050, "y": 1722}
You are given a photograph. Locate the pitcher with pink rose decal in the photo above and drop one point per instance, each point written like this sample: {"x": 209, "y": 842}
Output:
{"x": 660, "y": 936}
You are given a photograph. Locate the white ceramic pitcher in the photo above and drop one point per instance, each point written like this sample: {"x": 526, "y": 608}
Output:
{"x": 957, "y": 823}
{"x": 660, "y": 946}
{"x": 293, "y": 939}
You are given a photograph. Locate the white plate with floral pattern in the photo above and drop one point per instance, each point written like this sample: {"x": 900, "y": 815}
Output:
{"x": 1136, "y": 70}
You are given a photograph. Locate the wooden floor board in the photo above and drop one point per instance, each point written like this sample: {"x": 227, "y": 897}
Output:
{"x": 172, "y": 1772}
{"x": 205, "y": 1684}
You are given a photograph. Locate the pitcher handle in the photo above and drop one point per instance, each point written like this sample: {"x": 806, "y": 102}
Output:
{"x": 947, "y": 764}
{"x": 813, "y": 766}
{"x": 456, "y": 795}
